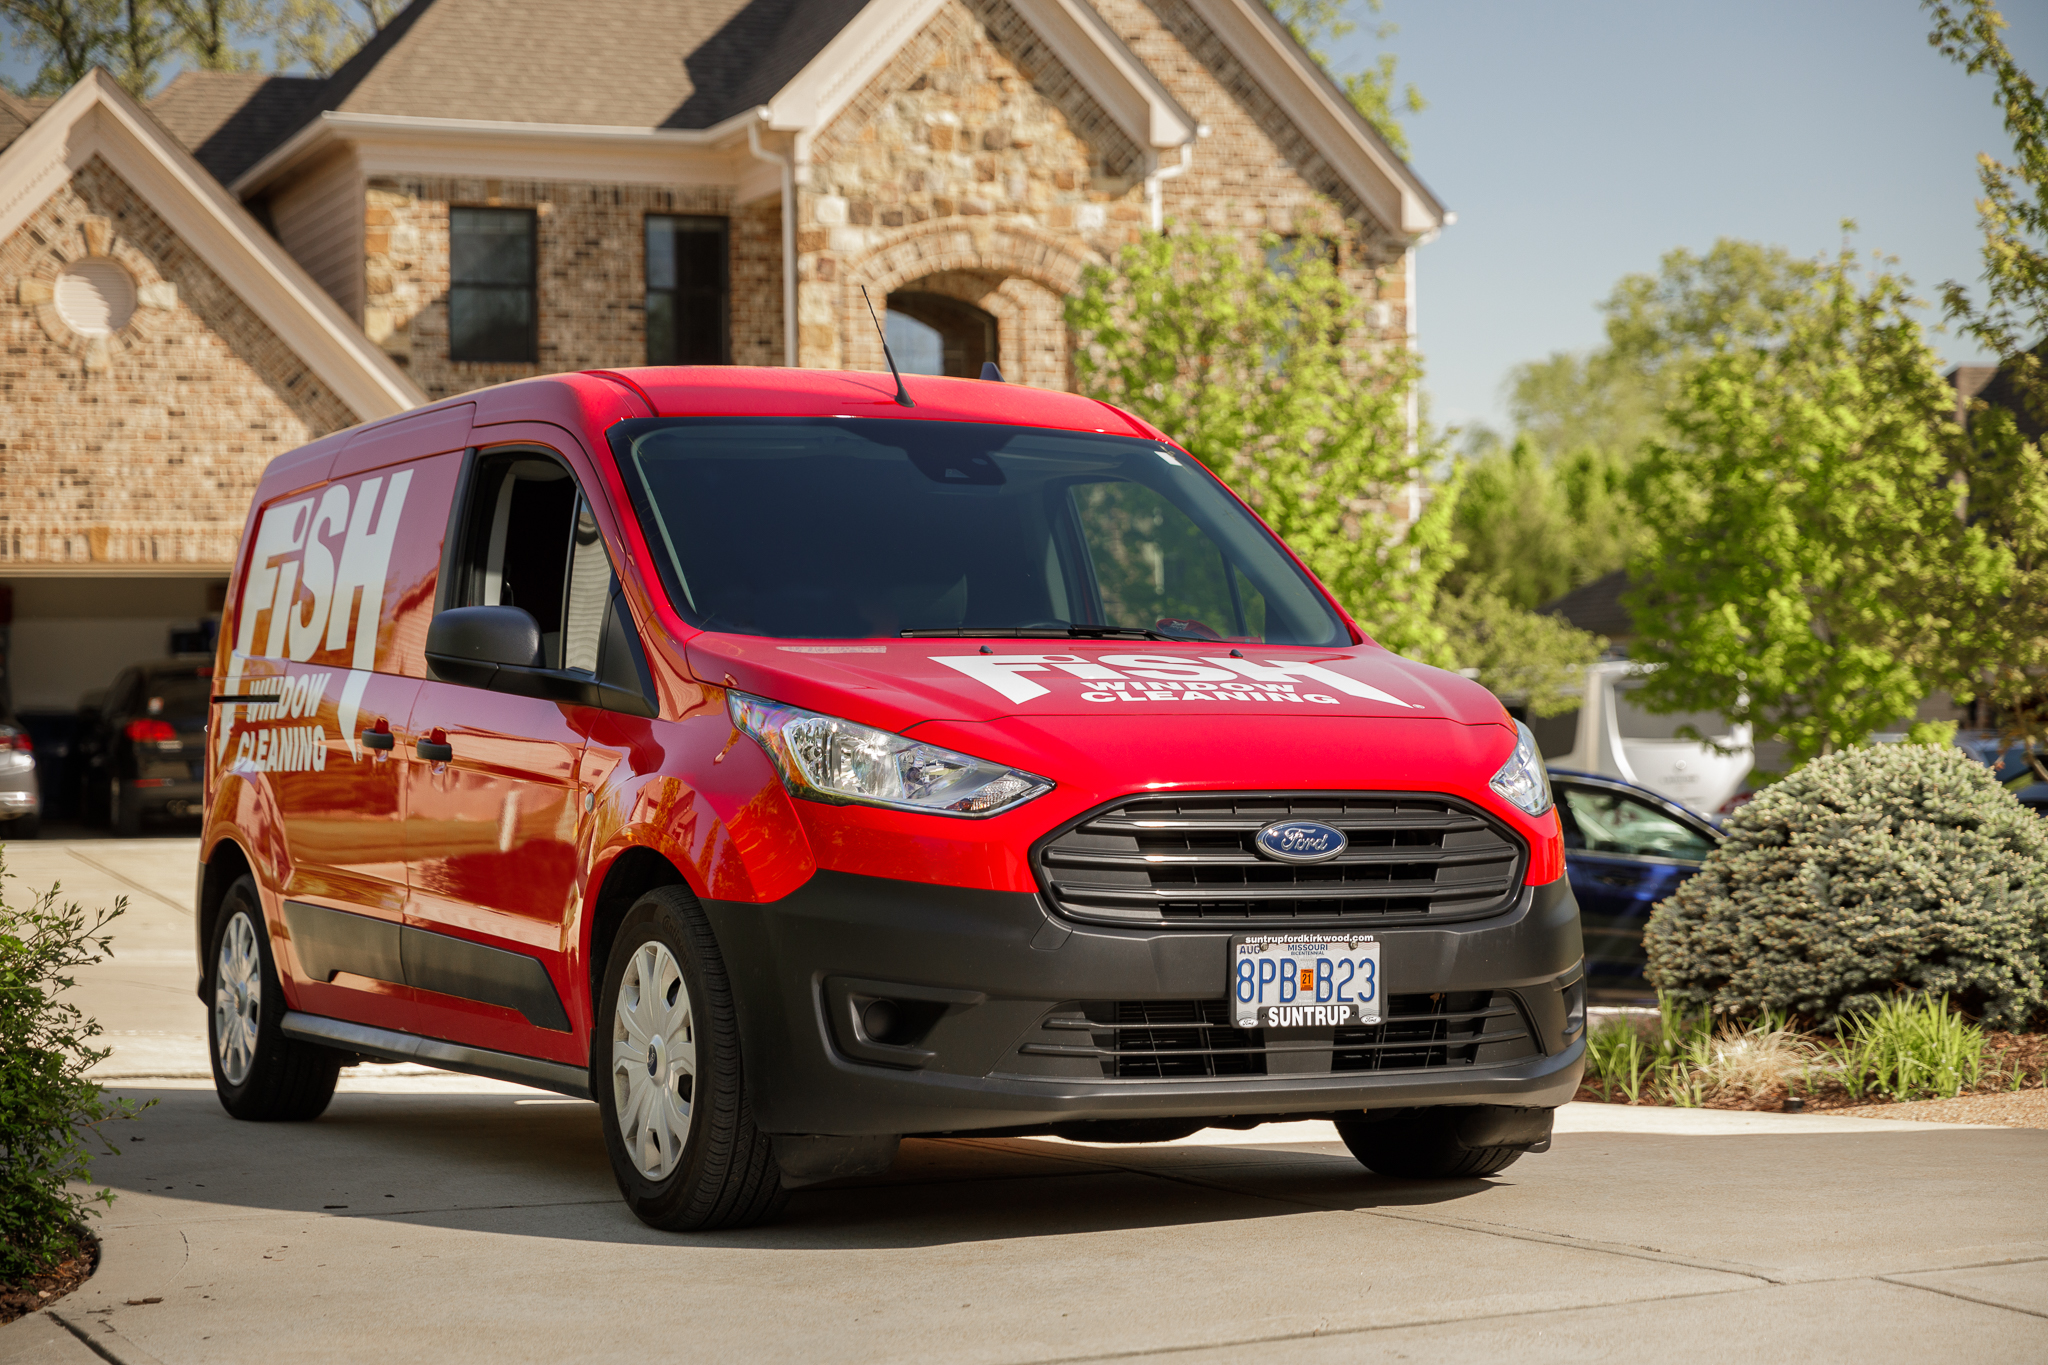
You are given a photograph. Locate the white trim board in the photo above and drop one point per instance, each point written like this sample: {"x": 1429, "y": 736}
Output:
{"x": 1380, "y": 178}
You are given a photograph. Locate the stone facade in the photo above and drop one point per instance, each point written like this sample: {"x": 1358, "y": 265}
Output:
{"x": 974, "y": 166}
{"x": 140, "y": 447}
{"x": 591, "y": 273}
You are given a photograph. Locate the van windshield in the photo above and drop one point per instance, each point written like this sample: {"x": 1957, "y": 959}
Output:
{"x": 835, "y": 528}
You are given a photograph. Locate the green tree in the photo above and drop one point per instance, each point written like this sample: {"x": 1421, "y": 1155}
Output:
{"x": 142, "y": 41}
{"x": 1371, "y": 91}
{"x": 1254, "y": 364}
{"x": 1531, "y": 528}
{"x": 1551, "y": 511}
{"x": 1257, "y": 371}
{"x": 322, "y": 34}
{"x": 65, "y": 38}
{"x": 1806, "y": 559}
{"x": 68, "y": 38}
{"x": 2004, "y": 655}
{"x": 209, "y": 31}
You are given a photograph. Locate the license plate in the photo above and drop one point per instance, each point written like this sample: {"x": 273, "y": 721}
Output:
{"x": 1284, "y": 981}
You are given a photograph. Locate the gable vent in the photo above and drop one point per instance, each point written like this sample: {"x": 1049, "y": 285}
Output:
{"x": 95, "y": 298}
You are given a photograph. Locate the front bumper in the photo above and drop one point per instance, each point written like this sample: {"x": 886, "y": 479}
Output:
{"x": 978, "y": 972}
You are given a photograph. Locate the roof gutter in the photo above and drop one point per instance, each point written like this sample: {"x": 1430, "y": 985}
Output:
{"x": 332, "y": 124}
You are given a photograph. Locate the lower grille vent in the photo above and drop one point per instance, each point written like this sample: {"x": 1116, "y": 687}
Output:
{"x": 1171, "y": 1039}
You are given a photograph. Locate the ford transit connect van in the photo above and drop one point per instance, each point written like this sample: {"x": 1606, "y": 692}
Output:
{"x": 789, "y": 770}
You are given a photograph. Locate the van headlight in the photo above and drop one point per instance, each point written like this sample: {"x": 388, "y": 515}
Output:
{"x": 1521, "y": 781}
{"x": 835, "y": 760}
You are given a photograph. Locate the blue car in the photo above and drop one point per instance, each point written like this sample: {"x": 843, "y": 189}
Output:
{"x": 1625, "y": 849}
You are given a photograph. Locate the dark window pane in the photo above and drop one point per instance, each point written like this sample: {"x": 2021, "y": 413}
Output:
{"x": 487, "y": 323}
{"x": 688, "y": 297}
{"x": 491, "y": 306}
{"x": 491, "y": 246}
{"x": 661, "y": 252}
{"x": 661, "y": 328}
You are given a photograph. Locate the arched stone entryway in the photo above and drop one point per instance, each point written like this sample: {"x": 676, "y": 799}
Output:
{"x": 1019, "y": 275}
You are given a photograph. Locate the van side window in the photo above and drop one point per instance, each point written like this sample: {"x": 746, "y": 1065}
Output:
{"x": 530, "y": 540}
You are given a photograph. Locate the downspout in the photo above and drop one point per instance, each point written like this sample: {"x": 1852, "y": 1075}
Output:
{"x": 789, "y": 333}
{"x": 1155, "y": 198}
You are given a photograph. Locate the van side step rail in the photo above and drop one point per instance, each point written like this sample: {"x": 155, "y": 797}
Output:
{"x": 393, "y": 1046}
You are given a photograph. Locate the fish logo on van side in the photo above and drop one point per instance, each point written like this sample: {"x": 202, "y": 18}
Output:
{"x": 312, "y": 598}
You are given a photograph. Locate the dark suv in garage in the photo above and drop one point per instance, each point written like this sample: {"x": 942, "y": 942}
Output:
{"x": 144, "y": 753}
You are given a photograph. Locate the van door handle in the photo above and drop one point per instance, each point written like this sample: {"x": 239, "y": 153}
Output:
{"x": 435, "y": 747}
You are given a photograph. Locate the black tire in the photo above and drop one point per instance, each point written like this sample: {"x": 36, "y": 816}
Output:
{"x": 22, "y": 827}
{"x": 285, "y": 1080}
{"x": 721, "y": 1172}
{"x": 126, "y": 812}
{"x": 1420, "y": 1144}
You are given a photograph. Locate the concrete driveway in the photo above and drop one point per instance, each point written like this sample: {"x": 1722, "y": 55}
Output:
{"x": 429, "y": 1218}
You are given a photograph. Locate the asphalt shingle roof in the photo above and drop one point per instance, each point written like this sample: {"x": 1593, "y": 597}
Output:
{"x": 1597, "y": 607}
{"x": 16, "y": 114}
{"x": 229, "y": 119}
{"x": 624, "y": 63}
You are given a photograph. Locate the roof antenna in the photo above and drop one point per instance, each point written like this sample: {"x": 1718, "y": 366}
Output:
{"x": 902, "y": 394}
{"x": 991, "y": 372}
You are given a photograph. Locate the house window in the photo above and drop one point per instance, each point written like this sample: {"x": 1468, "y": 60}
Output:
{"x": 492, "y": 312}
{"x": 688, "y": 299}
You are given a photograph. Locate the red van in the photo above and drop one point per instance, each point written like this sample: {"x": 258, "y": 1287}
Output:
{"x": 789, "y": 768}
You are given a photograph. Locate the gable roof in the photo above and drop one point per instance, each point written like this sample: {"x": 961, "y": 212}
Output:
{"x": 228, "y": 119}
{"x": 16, "y": 114}
{"x": 97, "y": 118}
{"x": 696, "y": 69}
{"x": 625, "y": 63}
{"x": 1597, "y": 607}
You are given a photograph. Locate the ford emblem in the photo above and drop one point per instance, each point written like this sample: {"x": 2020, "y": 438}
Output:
{"x": 1301, "y": 841}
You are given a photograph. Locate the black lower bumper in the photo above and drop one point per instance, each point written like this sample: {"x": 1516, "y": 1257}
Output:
{"x": 972, "y": 977}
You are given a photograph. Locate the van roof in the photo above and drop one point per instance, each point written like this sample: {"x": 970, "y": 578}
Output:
{"x": 737, "y": 390}
{"x": 592, "y": 400}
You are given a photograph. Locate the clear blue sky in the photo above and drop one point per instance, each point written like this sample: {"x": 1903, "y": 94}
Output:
{"x": 1577, "y": 142}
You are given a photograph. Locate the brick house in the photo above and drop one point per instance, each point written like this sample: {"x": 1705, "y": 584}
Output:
{"x": 498, "y": 188}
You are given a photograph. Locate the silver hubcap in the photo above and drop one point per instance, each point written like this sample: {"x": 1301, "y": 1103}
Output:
{"x": 237, "y": 999}
{"x": 654, "y": 1060}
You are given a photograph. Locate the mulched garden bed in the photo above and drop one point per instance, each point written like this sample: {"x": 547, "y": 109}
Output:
{"x": 19, "y": 1300}
{"x": 2004, "y": 1054}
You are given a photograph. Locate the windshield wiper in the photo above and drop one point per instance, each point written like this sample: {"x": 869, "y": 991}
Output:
{"x": 1052, "y": 632}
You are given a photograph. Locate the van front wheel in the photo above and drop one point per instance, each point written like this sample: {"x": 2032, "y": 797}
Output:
{"x": 1447, "y": 1143}
{"x": 666, "y": 1075}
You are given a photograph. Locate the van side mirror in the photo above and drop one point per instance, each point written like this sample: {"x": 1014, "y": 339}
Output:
{"x": 499, "y": 649}
{"x": 468, "y": 645}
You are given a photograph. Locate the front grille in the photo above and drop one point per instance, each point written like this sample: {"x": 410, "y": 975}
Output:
{"x": 1170, "y": 1039}
{"x": 1151, "y": 860}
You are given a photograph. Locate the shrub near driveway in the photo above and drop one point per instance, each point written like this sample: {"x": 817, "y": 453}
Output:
{"x": 48, "y": 1106}
{"x": 1865, "y": 873}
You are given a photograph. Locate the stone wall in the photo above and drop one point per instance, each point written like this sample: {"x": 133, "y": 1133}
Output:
{"x": 757, "y": 283}
{"x": 975, "y": 156}
{"x": 591, "y": 273}
{"x": 142, "y": 447}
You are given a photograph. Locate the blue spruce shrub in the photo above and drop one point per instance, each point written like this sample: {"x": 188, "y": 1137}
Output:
{"x": 1868, "y": 872}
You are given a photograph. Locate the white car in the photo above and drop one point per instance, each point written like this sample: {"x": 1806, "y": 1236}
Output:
{"x": 21, "y": 796}
{"x": 1609, "y": 734}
